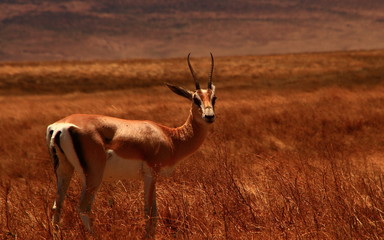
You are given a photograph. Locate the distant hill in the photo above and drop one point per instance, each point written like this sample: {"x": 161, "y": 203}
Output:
{"x": 85, "y": 30}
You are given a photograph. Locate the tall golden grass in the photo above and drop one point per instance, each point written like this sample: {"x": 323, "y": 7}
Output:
{"x": 296, "y": 152}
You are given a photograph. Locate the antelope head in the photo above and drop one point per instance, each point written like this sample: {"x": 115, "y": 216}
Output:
{"x": 203, "y": 99}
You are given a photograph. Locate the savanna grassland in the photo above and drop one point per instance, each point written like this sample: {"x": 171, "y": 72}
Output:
{"x": 296, "y": 152}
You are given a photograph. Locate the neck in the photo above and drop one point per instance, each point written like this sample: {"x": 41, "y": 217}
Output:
{"x": 189, "y": 137}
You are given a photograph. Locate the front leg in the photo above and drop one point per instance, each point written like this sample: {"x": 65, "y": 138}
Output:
{"x": 150, "y": 207}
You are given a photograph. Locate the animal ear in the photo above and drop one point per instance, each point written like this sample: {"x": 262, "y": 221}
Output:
{"x": 180, "y": 91}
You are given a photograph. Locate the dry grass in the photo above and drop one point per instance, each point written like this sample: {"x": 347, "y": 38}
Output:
{"x": 296, "y": 152}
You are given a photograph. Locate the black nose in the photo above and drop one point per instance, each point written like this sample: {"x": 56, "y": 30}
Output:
{"x": 209, "y": 118}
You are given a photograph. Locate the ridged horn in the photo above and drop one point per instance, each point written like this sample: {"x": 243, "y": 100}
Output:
{"x": 193, "y": 73}
{"x": 210, "y": 76}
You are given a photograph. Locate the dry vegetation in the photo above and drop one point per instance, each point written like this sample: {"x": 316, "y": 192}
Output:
{"x": 296, "y": 153}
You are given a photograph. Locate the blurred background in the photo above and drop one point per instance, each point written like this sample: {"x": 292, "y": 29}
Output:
{"x": 102, "y": 29}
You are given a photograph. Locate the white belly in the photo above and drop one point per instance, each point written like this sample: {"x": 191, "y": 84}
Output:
{"x": 121, "y": 168}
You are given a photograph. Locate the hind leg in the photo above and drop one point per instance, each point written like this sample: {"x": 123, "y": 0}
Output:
{"x": 91, "y": 156}
{"x": 64, "y": 172}
{"x": 90, "y": 187}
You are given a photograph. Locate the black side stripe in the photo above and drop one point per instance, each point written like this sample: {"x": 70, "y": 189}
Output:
{"x": 75, "y": 135}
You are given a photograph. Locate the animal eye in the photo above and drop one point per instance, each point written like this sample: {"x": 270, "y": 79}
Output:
{"x": 197, "y": 101}
{"x": 214, "y": 100}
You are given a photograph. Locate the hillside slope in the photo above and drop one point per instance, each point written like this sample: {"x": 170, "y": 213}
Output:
{"x": 85, "y": 30}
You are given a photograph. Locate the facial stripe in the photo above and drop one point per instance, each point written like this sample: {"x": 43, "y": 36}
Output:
{"x": 197, "y": 100}
{"x": 206, "y": 97}
{"x": 213, "y": 92}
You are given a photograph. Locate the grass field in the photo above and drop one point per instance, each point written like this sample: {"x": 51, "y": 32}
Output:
{"x": 296, "y": 152}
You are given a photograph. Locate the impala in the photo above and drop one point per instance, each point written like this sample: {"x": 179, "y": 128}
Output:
{"x": 101, "y": 147}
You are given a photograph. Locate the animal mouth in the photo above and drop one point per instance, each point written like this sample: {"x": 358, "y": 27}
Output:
{"x": 209, "y": 119}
